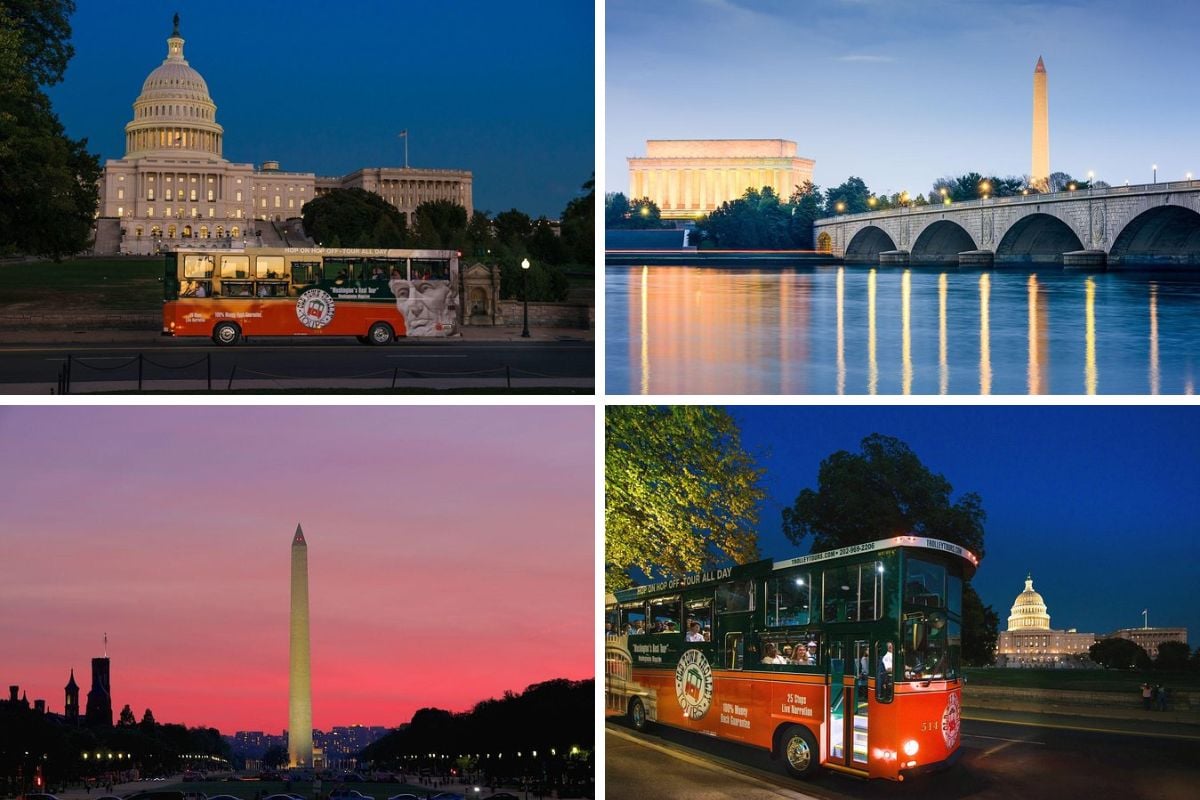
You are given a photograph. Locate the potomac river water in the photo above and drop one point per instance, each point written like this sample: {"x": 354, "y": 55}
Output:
{"x": 897, "y": 330}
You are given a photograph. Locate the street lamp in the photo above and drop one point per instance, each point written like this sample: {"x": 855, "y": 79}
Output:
{"x": 525, "y": 294}
{"x": 1154, "y": 167}
{"x": 945, "y": 193}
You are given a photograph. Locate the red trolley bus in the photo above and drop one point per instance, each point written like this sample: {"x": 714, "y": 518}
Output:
{"x": 374, "y": 295}
{"x": 848, "y": 659}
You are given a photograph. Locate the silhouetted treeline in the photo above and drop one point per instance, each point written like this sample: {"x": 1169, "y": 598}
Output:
{"x": 557, "y": 714}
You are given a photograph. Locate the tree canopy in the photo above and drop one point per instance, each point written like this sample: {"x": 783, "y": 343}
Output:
{"x": 48, "y": 181}
{"x": 622, "y": 213}
{"x": 550, "y": 718}
{"x": 885, "y": 490}
{"x": 353, "y": 218}
{"x": 578, "y": 226}
{"x": 680, "y": 492}
{"x": 441, "y": 225}
{"x": 1119, "y": 653}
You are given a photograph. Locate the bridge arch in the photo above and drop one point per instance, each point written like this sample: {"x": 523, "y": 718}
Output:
{"x": 940, "y": 243}
{"x": 1037, "y": 239}
{"x": 1162, "y": 236}
{"x": 867, "y": 244}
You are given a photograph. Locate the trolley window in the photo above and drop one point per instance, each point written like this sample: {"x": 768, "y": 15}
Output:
{"x": 788, "y": 600}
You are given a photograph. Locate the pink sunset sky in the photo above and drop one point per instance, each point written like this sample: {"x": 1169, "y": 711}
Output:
{"x": 450, "y": 555}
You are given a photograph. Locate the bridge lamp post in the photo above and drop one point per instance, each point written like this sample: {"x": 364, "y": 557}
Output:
{"x": 1154, "y": 169}
{"x": 1091, "y": 180}
{"x": 984, "y": 188}
{"x": 840, "y": 208}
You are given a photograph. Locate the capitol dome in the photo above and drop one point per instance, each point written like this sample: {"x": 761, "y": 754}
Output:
{"x": 1029, "y": 610}
{"x": 174, "y": 114}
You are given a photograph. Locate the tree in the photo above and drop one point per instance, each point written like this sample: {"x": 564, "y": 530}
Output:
{"x": 127, "y": 719}
{"x": 546, "y": 282}
{"x": 852, "y": 194}
{"x": 884, "y": 490}
{"x": 441, "y": 225}
{"x": 546, "y": 245}
{"x": 353, "y": 218}
{"x": 980, "y": 630}
{"x": 1172, "y": 656}
{"x": 147, "y": 724}
{"x": 578, "y": 226}
{"x": 274, "y": 757}
{"x": 1118, "y": 653}
{"x": 616, "y": 210}
{"x": 48, "y": 181}
{"x": 480, "y": 239}
{"x": 680, "y": 492}
{"x": 43, "y": 29}
{"x": 756, "y": 220}
{"x": 513, "y": 228}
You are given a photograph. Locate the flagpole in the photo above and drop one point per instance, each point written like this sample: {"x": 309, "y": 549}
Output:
{"x": 404, "y": 135}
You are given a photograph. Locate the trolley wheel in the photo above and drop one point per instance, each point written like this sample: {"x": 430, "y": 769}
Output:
{"x": 380, "y": 333}
{"x": 799, "y": 751}
{"x": 637, "y": 715}
{"x": 226, "y": 333}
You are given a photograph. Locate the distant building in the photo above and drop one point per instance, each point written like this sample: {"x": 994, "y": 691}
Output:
{"x": 1031, "y": 642}
{"x": 1150, "y": 638}
{"x": 99, "y": 698}
{"x": 175, "y": 187}
{"x": 71, "y": 707}
{"x": 692, "y": 177}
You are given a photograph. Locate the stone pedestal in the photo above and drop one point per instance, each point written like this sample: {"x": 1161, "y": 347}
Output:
{"x": 893, "y": 258}
{"x": 976, "y": 258}
{"x": 1085, "y": 259}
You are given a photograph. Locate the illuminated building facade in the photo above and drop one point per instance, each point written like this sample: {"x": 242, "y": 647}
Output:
{"x": 174, "y": 186}
{"x": 1150, "y": 638}
{"x": 692, "y": 177}
{"x": 1031, "y": 642}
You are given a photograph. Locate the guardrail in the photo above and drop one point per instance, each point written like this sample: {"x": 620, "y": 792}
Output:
{"x": 390, "y": 379}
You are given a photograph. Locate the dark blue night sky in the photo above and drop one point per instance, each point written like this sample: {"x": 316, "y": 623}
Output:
{"x": 1099, "y": 502}
{"x": 505, "y": 90}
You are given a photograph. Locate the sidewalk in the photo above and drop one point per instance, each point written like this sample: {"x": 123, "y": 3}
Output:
{"x": 1081, "y": 722}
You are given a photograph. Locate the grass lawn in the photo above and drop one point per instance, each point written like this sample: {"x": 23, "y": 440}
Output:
{"x": 1083, "y": 680}
{"x": 247, "y": 790}
{"x": 82, "y": 285}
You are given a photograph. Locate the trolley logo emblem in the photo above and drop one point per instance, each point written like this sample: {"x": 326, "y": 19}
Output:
{"x": 950, "y": 721}
{"x": 693, "y": 684}
{"x": 314, "y": 309}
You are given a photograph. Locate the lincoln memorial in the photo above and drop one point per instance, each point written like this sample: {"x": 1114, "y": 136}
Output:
{"x": 687, "y": 178}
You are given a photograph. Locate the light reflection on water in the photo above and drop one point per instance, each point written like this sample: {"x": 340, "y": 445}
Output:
{"x": 851, "y": 330}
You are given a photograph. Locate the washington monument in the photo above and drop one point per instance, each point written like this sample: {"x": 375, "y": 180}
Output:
{"x": 300, "y": 748}
{"x": 1039, "y": 174}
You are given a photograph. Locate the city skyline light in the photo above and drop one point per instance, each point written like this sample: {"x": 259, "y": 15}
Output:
{"x": 435, "y": 538}
{"x": 1098, "y": 502}
{"x": 322, "y": 89}
{"x": 901, "y": 94}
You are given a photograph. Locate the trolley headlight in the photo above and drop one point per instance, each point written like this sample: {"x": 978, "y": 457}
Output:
{"x": 911, "y": 747}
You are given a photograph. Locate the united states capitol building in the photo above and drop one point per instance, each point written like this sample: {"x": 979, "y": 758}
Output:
{"x": 174, "y": 187}
{"x": 1031, "y": 642}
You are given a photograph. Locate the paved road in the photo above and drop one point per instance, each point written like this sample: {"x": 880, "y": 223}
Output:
{"x": 183, "y": 365}
{"x": 998, "y": 761}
